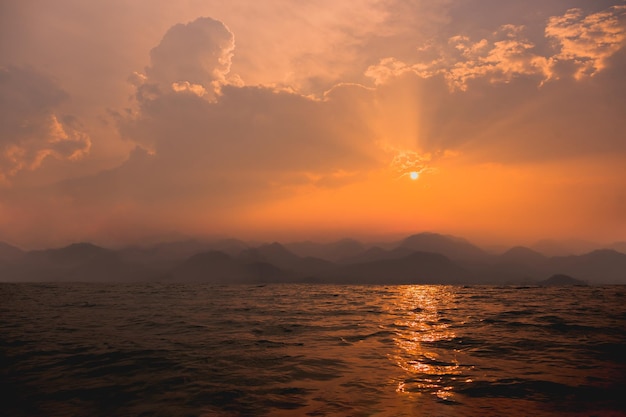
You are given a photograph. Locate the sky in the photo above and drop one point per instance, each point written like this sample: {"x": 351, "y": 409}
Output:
{"x": 134, "y": 121}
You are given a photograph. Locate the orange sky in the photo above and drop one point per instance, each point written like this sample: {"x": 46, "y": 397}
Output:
{"x": 125, "y": 122}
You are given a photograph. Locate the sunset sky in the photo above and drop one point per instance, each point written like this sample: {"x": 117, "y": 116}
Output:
{"x": 132, "y": 121}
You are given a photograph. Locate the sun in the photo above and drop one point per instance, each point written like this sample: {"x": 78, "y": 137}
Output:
{"x": 414, "y": 175}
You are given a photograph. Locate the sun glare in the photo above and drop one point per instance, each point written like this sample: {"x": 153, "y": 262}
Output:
{"x": 414, "y": 175}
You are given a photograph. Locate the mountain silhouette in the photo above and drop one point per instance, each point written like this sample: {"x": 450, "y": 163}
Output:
{"x": 453, "y": 247}
{"x": 523, "y": 256}
{"x": 218, "y": 267}
{"x": 166, "y": 251}
{"x": 10, "y": 253}
{"x": 276, "y": 254}
{"x": 448, "y": 260}
{"x": 604, "y": 266}
{"x": 77, "y": 262}
{"x": 334, "y": 251}
{"x": 553, "y": 247}
{"x": 416, "y": 268}
{"x": 618, "y": 246}
{"x": 377, "y": 253}
{"x": 561, "y": 280}
{"x": 71, "y": 255}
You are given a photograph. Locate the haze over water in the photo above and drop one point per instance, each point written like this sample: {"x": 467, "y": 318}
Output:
{"x": 157, "y": 349}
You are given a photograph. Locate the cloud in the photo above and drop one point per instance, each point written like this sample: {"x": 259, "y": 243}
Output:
{"x": 584, "y": 42}
{"x": 31, "y": 128}
{"x": 254, "y": 133}
{"x": 500, "y": 59}
{"x": 587, "y": 41}
{"x": 245, "y": 145}
{"x": 411, "y": 163}
{"x": 202, "y": 138}
{"x": 194, "y": 57}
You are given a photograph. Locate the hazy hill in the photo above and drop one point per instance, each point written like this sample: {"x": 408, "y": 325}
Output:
{"x": 76, "y": 262}
{"x": 165, "y": 251}
{"x": 604, "y": 266}
{"x": 377, "y": 253}
{"x": 520, "y": 255}
{"x": 10, "y": 253}
{"x": 68, "y": 256}
{"x": 561, "y": 280}
{"x": 452, "y": 247}
{"x": 162, "y": 257}
{"x": 218, "y": 267}
{"x": 416, "y": 268}
{"x": 232, "y": 247}
{"x": 59, "y": 263}
{"x": 276, "y": 254}
{"x": 618, "y": 246}
{"x": 551, "y": 247}
{"x": 448, "y": 260}
{"x": 334, "y": 251}
{"x": 110, "y": 268}
{"x": 515, "y": 266}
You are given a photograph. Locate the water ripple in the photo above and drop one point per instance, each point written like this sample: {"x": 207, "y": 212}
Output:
{"x": 175, "y": 349}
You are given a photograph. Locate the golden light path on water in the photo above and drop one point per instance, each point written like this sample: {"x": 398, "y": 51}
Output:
{"x": 428, "y": 371}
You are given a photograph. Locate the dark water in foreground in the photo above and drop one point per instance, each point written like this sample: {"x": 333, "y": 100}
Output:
{"x": 302, "y": 350}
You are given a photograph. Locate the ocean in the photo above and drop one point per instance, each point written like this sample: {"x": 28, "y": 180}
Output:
{"x": 163, "y": 349}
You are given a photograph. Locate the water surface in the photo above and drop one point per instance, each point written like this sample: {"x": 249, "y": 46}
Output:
{"x": 311, "y": 350}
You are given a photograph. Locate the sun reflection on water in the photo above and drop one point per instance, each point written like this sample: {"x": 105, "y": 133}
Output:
{"x": 423, "y": 324}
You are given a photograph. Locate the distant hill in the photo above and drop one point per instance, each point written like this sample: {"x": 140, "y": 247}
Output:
{"x": 425, "y": 258}
{"x": 416, "y": 268}
{"x": 218, "y": 267}
{"x": 500, "y": 273}
{"x": 276, "y": 254}
{"x": 68, "y": 256}
{"x": 76, "y": 262}
{"x": 165, "y": 256}
{"x": 334, "y": 251}
{"x": 618, "y": 246}
{"x": 551, "y": 247}
{"x": 9, "y": 253}
{"x": 450, "y": 246}
{"x": 604, "y": 266}
{"x": 561, "y": 280}
{"x": 378, "y": 254}
{"x": 523, "y": 256}
{"x": 165, "y": 251}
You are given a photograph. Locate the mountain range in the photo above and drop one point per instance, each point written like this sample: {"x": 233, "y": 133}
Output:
{"x": 425, "y": 258}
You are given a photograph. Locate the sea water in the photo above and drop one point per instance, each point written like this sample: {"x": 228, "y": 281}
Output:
{"x": 158, "y": 349}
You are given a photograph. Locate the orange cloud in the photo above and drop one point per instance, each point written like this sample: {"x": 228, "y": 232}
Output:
{"x": 587, "y": 41}
{"x": 30, "y": 129}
